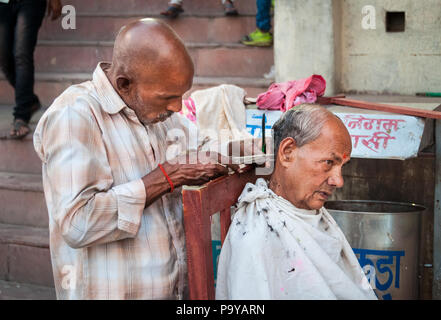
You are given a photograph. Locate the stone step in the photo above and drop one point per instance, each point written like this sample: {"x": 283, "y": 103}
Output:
{"x": 100, "y": 27}
{"x": 24, "y": 255}
{"x": 210, "y": 59}
{"x": 10, "y": 290}
{"x": 22, "y": 199}
{"x": 50, "y": 85}
{"x": 47, "y": 86}
{"x": 154, "y": 7}
{"x": 252, "y": 86}
{"x": 17, "y": 155}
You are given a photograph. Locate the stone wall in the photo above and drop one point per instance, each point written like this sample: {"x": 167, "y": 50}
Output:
{"x": 337, "y": 39}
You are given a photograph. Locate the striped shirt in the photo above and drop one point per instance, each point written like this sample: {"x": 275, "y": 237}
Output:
{"x": 104, "y": 244}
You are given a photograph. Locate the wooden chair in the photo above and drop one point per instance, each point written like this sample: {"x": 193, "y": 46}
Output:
{"x": 199, "y": 204}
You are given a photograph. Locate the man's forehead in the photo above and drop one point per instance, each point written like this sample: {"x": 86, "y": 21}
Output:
{"x": 330, "y": 148}
{"x": 335, "y": 135}
{"x": 165, "y": 82}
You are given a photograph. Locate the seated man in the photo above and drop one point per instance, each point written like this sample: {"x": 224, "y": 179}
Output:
{"x": 282, "y": 243}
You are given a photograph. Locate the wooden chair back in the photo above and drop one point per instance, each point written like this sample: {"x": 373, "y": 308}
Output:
{"x": 200, "y": 203}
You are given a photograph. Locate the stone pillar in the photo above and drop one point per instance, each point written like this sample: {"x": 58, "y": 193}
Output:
{"x": 436, "y": 288}
{"x": 304, "y": 41}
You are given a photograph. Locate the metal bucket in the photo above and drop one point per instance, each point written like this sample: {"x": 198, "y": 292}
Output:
{"x": 385, "y": 237}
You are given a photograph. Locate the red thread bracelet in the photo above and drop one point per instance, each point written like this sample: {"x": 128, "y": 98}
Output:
{"x": 168, "y": 178}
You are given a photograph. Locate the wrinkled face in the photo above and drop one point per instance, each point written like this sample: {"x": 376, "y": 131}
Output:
{"x": 154, "y": 97}
{"x": 314, "y": 170}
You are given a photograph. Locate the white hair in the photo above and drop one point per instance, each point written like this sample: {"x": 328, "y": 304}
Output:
{"x": 303, "y": 123}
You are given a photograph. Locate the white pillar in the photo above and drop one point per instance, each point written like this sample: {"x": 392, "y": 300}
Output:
{"x": 436, "y": 285}
{"x": 304, "y": 41}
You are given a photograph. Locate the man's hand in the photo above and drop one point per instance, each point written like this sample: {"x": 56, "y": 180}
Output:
{"x": 54, "y": 9}
{"x": 183, "y": 170}
{"x": 195, "y": 168}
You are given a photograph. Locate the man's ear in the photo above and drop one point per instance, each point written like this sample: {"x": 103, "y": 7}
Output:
{"x": 287, "y": 150}
{"x": 123, "y": 84}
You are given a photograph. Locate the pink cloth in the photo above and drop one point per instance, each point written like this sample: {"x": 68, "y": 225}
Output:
{"x": 189, "y": 109}
{"x": 283, "y": 96}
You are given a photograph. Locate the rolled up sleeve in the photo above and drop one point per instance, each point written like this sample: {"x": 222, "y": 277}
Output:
{"x": 131, "y": 199}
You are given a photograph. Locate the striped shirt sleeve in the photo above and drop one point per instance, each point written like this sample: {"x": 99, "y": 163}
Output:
{"x": 89, "y": 209}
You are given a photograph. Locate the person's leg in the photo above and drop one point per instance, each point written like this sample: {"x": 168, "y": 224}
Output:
{"x": 29, "y": 18}
{"x": 263, "y": 17}
{"x": 7, "y": 26}
{"x": 174, "y": 9}
{"x": 261, "y": 36}
{"x": 230, "y": 10}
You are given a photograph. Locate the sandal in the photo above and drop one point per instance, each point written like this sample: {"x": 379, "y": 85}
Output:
{"x": 173, "y": 11}
{"x": 20, "y": 129}
{"x": 230, "y": 10}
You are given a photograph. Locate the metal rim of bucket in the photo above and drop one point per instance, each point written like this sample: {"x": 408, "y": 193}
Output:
{"x": 417, "y": 208}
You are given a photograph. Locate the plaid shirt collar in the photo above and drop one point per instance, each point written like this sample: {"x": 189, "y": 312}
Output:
{"x": 110, "y": 100}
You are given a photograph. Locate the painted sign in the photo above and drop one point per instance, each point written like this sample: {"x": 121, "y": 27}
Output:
{"x": 383, "y": 136}
{"x": 216, "y": 246}
{"x": 374, "y": 136}
{"x": 384, "y": 273}
{"x": 254, "y": 121}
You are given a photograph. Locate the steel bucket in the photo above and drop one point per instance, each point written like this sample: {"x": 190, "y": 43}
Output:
{"x": 385, "y": 237}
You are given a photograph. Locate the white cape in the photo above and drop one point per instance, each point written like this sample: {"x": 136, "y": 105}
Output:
{"x": 274, "y": 250}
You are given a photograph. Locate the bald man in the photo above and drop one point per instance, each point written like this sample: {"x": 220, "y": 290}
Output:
{"x": 115, "y": 208}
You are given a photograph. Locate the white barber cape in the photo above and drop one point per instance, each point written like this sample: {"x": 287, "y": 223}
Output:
{"x": 274, "y": 250}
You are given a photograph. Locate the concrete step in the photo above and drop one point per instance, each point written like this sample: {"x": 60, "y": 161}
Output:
{"x": 10, "y": 290}
{"x": 101, "y": 27}
{"x": 154, "y": 7}
{"x": 47, "y": 86}
{"x": 50, "y": 85}
{"x": 252, "y": 86}
{"x": 17, "y": 155}
{"x": 22, "y": 199}
{"x": 210, "y": 59}
{"x": 24, "y": 255}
